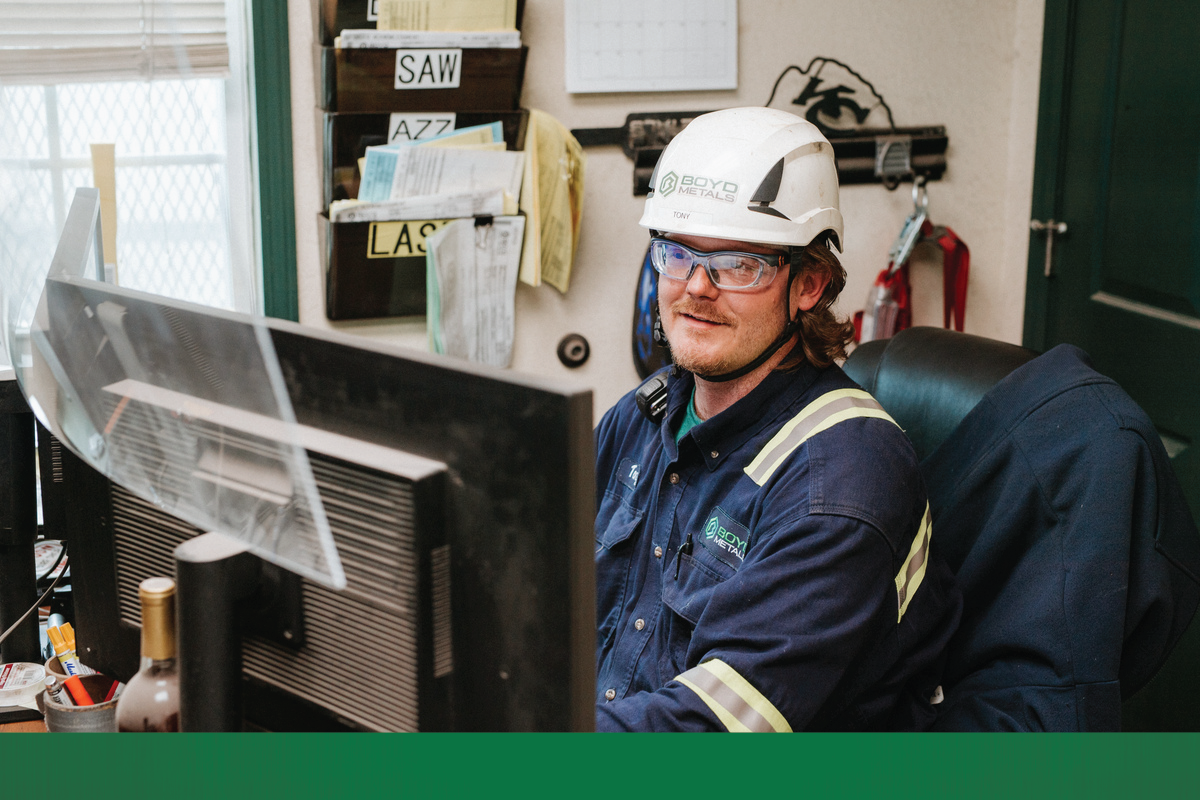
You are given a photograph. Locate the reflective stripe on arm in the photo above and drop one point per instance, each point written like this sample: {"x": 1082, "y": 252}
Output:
{"x": 908, "y": 580}
{"x": 826, "y": 411}
{"x": 740, "y": 707}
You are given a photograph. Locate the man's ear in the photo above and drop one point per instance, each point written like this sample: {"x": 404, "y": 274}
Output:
{"x": 808, "y": 288}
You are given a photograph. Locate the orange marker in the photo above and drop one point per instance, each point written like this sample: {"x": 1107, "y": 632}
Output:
{"x": 78, "y": 693}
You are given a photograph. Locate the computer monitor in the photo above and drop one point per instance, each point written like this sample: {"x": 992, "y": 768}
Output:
{"x": 461, "y": 502}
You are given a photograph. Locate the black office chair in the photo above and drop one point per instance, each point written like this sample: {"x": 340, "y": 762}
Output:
{"x": 1055, "y": 503}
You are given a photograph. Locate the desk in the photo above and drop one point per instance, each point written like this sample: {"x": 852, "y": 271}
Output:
{"x": 32, "y": 726}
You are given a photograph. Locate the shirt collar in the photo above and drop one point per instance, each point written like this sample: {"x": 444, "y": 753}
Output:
{"x": 733, "y": 427}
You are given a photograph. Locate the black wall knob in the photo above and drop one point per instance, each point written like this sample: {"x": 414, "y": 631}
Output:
{"x": 573, "y": 350}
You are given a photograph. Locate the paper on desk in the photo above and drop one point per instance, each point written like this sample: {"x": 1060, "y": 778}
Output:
{"x": 494, "y": 202}
{"x": 359, "y": 38}
{"x": 552, "y": 199}
{"x": 447, "y": 15}
{"x": 471, "y": 283}
{"x": 392, "y": 173}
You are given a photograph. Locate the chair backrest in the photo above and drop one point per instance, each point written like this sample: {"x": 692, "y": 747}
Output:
{"x": 929, "y": 379}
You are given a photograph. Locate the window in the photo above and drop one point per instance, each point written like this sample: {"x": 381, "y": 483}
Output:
{"x": 170, "y": 83}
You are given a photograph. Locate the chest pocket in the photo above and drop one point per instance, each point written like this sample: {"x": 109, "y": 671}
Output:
{"x": 688, "y": 595}
{"x": 614, "y": 548}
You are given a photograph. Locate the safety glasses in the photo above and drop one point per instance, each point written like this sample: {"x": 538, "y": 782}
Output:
{"x": 727, "y": 269}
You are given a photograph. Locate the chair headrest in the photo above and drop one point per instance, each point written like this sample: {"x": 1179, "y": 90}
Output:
{"x": 928, "y": 379}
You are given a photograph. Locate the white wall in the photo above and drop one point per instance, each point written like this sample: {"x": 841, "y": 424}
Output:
{"x": 971, "y": 65}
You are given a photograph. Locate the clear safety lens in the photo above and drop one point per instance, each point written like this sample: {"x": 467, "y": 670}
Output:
{"x": 727, "y": 269}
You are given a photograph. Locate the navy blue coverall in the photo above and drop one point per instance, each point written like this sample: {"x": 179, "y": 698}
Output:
{"x": 774, "y": 571}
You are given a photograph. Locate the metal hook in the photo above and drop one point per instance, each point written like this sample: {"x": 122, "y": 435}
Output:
{"x": 920, "y": 195}
{"x": 911, "y": 232}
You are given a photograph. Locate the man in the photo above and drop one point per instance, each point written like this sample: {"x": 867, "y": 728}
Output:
{"x": 763, "y": 554}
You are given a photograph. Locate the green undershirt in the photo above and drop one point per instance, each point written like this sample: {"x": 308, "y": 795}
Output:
{"x": 690, "y": 419}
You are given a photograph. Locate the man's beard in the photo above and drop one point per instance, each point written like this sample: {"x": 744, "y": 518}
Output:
{"x": 723, "y": 363}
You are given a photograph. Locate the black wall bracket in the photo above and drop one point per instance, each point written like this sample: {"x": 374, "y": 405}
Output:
{"x": 866, "y": 155}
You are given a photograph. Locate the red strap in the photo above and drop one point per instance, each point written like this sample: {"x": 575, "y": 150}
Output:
{"x": 956, "y": 267}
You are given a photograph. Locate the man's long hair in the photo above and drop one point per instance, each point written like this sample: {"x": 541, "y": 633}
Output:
{"x": 823, "y": 335}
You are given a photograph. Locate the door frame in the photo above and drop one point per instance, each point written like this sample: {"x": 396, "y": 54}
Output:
{"x": 1047, "y": 169}
{"x": 1050, "y": 162}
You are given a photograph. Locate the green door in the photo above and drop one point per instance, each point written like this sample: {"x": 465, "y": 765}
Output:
{"x": 1118, "y": 162}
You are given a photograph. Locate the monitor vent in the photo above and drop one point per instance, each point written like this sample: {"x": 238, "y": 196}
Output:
{"x": 360, "y": 642}
{"x": 56, "y": 460}
{"x": 144, "y": 539}
{"x": 443, "y": 650}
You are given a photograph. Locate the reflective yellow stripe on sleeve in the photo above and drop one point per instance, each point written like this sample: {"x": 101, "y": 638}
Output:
{"x": 908, "y": 580}
{"x": 740, "y": 707}
{"x": 821, "y": 414}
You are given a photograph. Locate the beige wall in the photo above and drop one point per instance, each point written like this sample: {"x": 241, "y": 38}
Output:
{"x": 971, "y": 65}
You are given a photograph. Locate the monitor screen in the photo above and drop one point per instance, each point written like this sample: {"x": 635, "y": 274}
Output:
{"x": 460, "y": 499}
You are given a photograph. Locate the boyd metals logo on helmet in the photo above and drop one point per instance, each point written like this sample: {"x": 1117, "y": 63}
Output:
{"x": 667, "y": 184}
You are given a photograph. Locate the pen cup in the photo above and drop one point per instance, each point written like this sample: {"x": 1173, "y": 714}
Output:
{"x": 98, "y": 718}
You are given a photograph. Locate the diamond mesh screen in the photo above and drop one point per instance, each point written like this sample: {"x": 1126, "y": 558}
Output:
{"x": 173, "y": 210}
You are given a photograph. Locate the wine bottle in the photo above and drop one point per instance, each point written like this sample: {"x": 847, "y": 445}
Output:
{"x": 150, "y": 701}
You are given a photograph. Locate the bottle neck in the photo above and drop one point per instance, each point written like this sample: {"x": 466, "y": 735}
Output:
{"x": 158, "y": 630}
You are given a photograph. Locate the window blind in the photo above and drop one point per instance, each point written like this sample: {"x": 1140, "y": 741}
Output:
{"x": 85, "y": 41}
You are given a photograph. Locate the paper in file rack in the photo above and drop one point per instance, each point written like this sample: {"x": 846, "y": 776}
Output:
{"x": 403, "y": 40}
{"x": 396, "y": 173}
{"x": 471, "y": 283}
{"x": 493, "y": 203}
{"x": 447, "y": 15}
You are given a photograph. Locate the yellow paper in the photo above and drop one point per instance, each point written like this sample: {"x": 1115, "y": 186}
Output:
{"x": 447, "y": 15}
{"x": 467, "y": 137}
{"x": 104, "y": 178}
{"x": 552, "y": 199}
{"x": 492, "y": 146}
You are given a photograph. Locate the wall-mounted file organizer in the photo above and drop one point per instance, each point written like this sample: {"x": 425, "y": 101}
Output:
{"x": 347, "y": 137}
{"x": 374, "y": 269}
{"x": 364, "y": 79}
{"x": 336, "y": 16}
{"x": 377, "y": 269}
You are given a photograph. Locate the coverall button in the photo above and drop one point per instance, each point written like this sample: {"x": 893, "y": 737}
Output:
{"x": 639, "y": 624}
{"x": 714, "y": 454}
{"x": 611, "y": 694}
{"x": 658, "y": 552}
{"x": 674, "y": 477}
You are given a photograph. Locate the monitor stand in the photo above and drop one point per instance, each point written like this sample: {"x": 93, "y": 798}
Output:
{"x": 222, "y": 592}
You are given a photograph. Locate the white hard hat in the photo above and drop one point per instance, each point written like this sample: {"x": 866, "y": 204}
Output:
{"x": 748, "y": 174}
